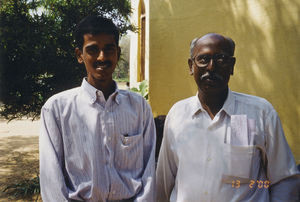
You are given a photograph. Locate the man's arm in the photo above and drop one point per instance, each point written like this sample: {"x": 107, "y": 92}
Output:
{"x": 166, "y": 167}
{"x": 52, "y": 182}
{"x": 149, "y": 140}
{"x": 281, "y": 168}
{"x": 286, "y": 189}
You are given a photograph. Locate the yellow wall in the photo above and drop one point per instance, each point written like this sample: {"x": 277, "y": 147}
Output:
{"x": 267, "y": 36}
{"x": 135, "y": 43}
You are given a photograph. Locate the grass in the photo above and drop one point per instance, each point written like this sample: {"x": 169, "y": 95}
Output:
{"x": 121, "y": 79}
{"x": 25, "y": 189}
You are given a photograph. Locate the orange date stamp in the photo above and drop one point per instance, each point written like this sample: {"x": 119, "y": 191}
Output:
{"x": 260, "y": 184}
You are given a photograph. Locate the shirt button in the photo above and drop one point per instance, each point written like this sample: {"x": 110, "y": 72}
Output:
{"x": 208, "y": 159}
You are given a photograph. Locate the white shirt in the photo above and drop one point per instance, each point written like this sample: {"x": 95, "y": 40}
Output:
{"x": 240, "y": 155}
{"x": 97, "y": 150}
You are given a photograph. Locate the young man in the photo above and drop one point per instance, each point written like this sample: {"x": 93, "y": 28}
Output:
{"x": 221, "y": 145}
{"x": 97, "y": 142}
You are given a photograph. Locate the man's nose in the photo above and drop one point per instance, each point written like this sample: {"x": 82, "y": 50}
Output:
{"x": 101, "y": 55}
{"x": 211, "y": 65}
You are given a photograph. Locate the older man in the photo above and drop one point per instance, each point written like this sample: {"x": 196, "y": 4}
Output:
{"x": 221, "y": 145}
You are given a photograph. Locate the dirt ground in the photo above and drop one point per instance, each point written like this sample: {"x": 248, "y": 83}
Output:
{"x": 18, "y": 153}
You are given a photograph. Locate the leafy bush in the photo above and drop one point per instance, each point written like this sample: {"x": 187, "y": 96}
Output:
{"x": 142, "y": 90}
{"x": 37, "y": 49}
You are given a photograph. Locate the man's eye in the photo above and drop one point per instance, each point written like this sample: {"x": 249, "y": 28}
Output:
{"x": 92, "y": 50}
{"x": 221, "y": 59}
{"x": 203, "y": 59}
{"x": 109, "y": 50}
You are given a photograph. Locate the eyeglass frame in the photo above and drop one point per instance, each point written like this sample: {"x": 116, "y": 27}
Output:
{"x": 213, "y": 57}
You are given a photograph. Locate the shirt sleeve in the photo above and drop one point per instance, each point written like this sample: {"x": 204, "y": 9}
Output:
{"x": 147, "y": 192}
{"x": 166, "y": 167}
{"x": 287, "y": 189}
{"x": 281, "y": 167}
{"x": 52, "y": 182}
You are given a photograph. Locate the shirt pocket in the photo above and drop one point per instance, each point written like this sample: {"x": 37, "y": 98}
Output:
{"x": 241, "y": 162}
{"x": 129, "y": 151}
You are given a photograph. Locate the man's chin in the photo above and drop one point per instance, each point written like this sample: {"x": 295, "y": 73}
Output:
{"x": 212, "y": 88}
{"x": 101, "y": 77}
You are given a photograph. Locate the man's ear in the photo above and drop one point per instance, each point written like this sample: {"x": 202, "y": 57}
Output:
{"x": 119, "y": 52}
{"x": 232, "y": 65}
{"x": 190, "y": 62}
{"x": 78, "y": 54}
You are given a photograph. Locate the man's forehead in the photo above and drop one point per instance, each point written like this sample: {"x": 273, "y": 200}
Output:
{"x": 212, "y": 41}
{"x": 103, "y": 38}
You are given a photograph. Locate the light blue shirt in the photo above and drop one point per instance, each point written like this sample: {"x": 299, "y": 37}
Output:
{"x": 97, "y": 150}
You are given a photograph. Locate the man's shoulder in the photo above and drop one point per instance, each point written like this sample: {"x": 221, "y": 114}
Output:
{"x": 131, "y": 96}
{"x": 62, "y": 97}
{"x": 129, "y": 93}
{"x": 252, "y": 100}
{"x": 184, "y": 102}
{"x": 184, "y": 105}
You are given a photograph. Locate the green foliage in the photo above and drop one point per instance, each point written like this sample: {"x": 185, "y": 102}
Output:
{"x": 24, "y": 189}
{"x": 37, "y": 49}
{"x": 121, "y": 73}
{"x": 121, "y": 70}
{"x": 142, "y": 90}
{"x": 125, "y": 79}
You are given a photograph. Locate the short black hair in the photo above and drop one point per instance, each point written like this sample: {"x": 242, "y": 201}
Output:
{"x": 95, "y": 25}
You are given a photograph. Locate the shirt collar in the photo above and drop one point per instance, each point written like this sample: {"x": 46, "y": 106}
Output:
{"x": 196, "y": 105}
{"x": 92, "y": 91}
{"x": 228, "y": 106}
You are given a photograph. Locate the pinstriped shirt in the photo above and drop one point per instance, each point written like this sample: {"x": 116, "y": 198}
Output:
{"x": 97, "y": 150}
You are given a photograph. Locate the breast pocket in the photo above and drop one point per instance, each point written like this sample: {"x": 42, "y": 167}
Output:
{"x": 241, "y": 162}
{"x": 129, "y": 152}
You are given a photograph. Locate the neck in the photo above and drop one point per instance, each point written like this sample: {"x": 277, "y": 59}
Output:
{"x": 212, "y": 102}
{"x": 106, "y": 86}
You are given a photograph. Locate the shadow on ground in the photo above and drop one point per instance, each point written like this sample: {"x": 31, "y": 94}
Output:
{"x": 18, "y": 162}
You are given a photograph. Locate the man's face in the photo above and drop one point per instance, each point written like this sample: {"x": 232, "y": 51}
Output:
{"x": 100, "y": 55}
{"x": 211, "y": 64}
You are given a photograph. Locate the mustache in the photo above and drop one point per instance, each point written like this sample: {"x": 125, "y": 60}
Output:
{"x": 208, "y": 75}
{"x": 105, "y": 63}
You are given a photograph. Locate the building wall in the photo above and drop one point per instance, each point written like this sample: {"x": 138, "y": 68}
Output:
{"x": 267, "y": 51}
{"x": 135, "y": 62}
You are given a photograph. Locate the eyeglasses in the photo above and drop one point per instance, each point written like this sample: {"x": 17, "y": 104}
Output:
{"x": 219, "y": 59}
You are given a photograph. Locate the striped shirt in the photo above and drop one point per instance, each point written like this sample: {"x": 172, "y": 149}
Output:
{"x": 97, "y": 150}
